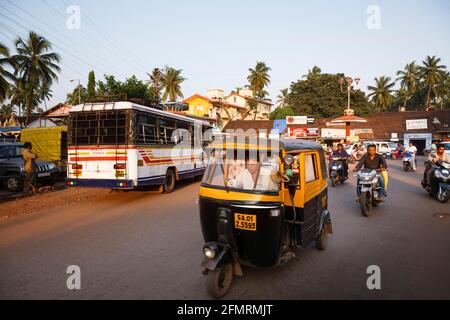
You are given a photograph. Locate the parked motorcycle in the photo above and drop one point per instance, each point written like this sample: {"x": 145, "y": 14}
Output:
{"x": 368, "y": 190}
{"x": 439, "y": 186}
{"x": 337, "y": 171}
{"x": 408, "y": 161}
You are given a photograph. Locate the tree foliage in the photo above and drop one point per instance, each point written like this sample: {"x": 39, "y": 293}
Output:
{"x": 320, "y": 96}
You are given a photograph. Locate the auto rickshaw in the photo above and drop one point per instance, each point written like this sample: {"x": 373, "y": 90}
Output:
{"x": 259, "y": 200}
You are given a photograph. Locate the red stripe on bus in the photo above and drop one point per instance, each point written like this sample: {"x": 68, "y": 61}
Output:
{"x": 99, "y": 159}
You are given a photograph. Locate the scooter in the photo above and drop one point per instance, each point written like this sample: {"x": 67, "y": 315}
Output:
{"x": 398, "y": 154}
{"x": 408, "y": 161}
{"x": 337, "y": 171}
{"x": 439, "y": 186}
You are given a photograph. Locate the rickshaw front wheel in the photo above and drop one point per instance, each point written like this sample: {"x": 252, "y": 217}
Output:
{"x": 322, "y": 239}
{"x": 219, "y": 281}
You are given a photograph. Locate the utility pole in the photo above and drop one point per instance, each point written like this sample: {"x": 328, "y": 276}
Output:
{"x": 79, "y": 89}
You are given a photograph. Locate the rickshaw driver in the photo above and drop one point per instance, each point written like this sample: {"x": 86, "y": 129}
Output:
{"x": 251, "y": 179}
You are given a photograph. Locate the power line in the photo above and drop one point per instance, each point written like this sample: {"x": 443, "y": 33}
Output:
{"x": 107, "y": 37}
{"x": 67, "y": 45}
{"x": 56, "y": 45}
{"x": 60, "y": 48}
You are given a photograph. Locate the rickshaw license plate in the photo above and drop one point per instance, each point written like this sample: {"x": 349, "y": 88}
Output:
{"x": 245, "y": 221}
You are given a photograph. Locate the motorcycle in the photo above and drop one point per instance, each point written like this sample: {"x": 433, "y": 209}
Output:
{"x": 439, "y": 186}
{"x": 408, "y": 161}
{"x": 398, "y": 154}
{"x": 368, "y": 190}
{"x": 337, "y": 171}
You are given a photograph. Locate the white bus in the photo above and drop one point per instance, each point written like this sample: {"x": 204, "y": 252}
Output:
{"x": 122, "y": 145}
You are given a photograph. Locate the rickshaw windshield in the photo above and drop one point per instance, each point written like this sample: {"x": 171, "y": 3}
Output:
{"x": 245, "y": 173}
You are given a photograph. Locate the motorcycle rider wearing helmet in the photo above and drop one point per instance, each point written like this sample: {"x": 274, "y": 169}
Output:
{"x": 341, "y": 153}
{"x": 373, "y": 161}
{"x": 434, "y": 157}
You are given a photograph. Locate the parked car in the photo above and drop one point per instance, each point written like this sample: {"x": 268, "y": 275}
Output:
{"x": 12, "y": 172}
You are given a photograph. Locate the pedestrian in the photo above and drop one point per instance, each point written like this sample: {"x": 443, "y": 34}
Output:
{"x": 30, "y": 167}
{"x": 413, "y": 150}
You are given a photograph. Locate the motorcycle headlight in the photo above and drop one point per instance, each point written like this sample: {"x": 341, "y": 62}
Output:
{"x": 438, "y": 174}
{"x": 334, "y": 167}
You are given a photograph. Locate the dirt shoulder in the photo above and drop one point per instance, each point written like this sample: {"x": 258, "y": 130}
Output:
{"x": 48, "y": 200}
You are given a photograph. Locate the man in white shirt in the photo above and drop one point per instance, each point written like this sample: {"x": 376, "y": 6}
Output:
{"x": 254, "y": 178}
{"x": 411, "y": 148}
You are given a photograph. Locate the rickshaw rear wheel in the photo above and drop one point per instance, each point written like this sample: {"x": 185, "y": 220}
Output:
{"x": 322, "y": 239}
{"x": 219, "y": 281}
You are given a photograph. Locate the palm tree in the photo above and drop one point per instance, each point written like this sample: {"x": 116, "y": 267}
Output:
{"x": 313, "y": 73}
{"x": 74, "y": 97}
{"x": 36, "y": 67}
{"x": 259, "y": 78}
{"x": 17, "y": 95}
{"x": 45, "y": 93}
{"x": 7, "y": 110}
{"x": 5, "y": 75}
{"x": 282, "y": 98}
{"x": 155, "y": 82}
{"x": 408, "y": 78}
{"x": 430, "y": 73}
{"x": 171, "y": 81}
{"x": 443, "y": 87}
{"x": 381, "y": 94}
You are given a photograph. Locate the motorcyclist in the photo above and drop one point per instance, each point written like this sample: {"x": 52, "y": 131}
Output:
{"x": 341, "y": 153}
{"x": 374, "y": 161}
{"x": 434, "y": 157}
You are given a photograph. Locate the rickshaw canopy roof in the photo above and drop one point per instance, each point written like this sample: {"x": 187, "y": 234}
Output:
{"x": 251, "y": 143}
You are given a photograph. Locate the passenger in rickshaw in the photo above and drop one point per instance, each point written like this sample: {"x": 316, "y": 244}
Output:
{"x": 262, "y": 176}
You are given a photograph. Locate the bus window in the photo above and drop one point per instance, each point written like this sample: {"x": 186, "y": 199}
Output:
{"x": 146, "y": 129}
{"x": 166, "y": 129}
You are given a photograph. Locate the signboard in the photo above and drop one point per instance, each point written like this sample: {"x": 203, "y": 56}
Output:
{"x": 394, "y": 137}
{"x": 303, "y": 132}
{"x": 416, "y": 124}
{"x": 297, "y": 120}
{"x": 329, "y": 133}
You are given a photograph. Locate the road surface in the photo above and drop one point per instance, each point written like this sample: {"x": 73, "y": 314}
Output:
{"x": 139, "y": 245}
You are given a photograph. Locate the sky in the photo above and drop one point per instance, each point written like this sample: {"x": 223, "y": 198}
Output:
{"x": 216, "y": 42}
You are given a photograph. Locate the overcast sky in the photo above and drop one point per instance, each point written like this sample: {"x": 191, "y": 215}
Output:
{"x": 215, "y": 42}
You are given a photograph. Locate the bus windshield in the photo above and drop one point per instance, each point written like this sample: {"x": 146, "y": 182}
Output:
{"x": 249, "y": 174}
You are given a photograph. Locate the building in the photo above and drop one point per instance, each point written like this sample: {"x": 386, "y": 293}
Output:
{"x": 243, "y": 97}
{"x": 419, "y": 127}
{"x": 214, "y": 106}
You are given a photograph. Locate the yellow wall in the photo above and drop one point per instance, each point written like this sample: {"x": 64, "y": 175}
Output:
{"x": 199, "y": 107}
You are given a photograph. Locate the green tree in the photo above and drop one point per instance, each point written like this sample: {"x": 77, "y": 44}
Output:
{"x": 381, "y": 93}
{"x": 258, "y": 79}
{"x": 5, "y": 75}
{"x": 73, "y": 98}
{"x": 171, "y": 80}
{"x": 7, "y": 110}
{"x": 36, "y": 67}
{"x": 313, "y": 73}
{"x": 408, "y": 78}
{"x": 282, "y": 113}
{"x": 443, "y": 89}
{"x": 430, "y": 74}
{"x": 91, "y": 87}
{"x": 282, "y": 98}
{"x": 321, "y": 97}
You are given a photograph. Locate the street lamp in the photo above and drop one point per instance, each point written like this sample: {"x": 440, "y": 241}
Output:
{"x": 79, "y": 89}
{"x": 348, "y": 90}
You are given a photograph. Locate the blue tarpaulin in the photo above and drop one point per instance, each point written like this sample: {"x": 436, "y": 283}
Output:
{"x": 279, "y": 125}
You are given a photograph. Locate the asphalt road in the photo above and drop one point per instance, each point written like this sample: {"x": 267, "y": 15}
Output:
{"x": 138, "y": 245}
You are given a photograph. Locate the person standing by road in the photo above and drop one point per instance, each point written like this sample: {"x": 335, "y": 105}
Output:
{"x": 30, "y": 167}
{"x": 411, "y": 148}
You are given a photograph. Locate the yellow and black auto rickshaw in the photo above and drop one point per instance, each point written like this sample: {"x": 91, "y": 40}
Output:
{"x": 259, "y": 200}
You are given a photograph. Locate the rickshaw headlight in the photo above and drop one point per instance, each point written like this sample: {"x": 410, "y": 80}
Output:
{"x": 289, "y": 159}
{"x": 275, "y": 212}
{"x": 210, "y": 250}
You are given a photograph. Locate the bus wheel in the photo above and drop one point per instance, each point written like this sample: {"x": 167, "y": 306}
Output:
{"x": 169, "y": 181}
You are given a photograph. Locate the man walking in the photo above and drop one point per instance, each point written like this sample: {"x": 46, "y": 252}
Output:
{"x": 30, "y": 167}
